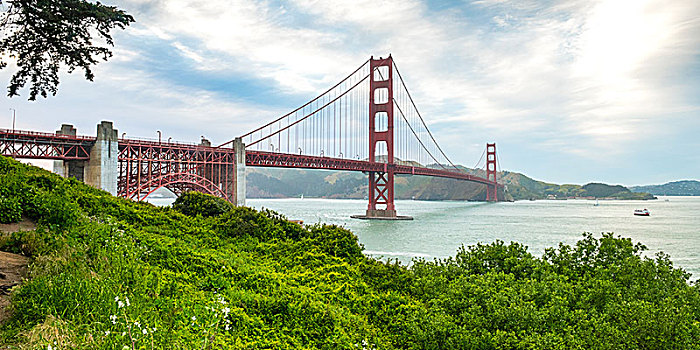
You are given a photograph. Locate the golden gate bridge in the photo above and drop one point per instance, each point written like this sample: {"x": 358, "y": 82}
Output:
{"x": 368, "y": 122}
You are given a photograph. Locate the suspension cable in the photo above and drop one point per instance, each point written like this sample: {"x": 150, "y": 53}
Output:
{"x": 310, "y": 114}
{"x": 482, "y": 157}
{"x": 421, "y": 117}
{"x": 418, "y": 138}
{"x": 303, "y": 106}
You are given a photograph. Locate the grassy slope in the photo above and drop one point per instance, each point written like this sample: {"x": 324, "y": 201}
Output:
{"x": 244, "y": 279}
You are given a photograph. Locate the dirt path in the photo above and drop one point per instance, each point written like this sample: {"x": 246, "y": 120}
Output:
{"x": 13, "y": 267}
{"x": 24, "y": 225}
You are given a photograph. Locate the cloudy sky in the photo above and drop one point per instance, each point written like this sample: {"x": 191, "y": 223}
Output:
{"x": 571, "y": 91}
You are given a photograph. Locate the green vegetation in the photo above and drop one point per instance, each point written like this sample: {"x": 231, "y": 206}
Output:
{"x": 676, "y": 188}
{"x": 109, "y": 273}
{"x": 523, "y": 187}
{"x": 267, "y": 183}
{"x": 196, "y": 203}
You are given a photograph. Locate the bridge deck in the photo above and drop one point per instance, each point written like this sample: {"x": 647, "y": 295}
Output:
{"x": 282, "y": 160}
{"x": 40, "y": 145}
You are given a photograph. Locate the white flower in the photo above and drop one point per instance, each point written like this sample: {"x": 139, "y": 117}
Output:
{"x": 116, "y": 299}
{"x": 123, "y": 334}
{"x": 107, "y": 333}
{"x": 127, "y": 301}
{"x": 226, "y": 327}
{"x": 145, "y": 331}
{"x": 154, "y": 329}
{"x": 137, "y": 324}
{"x": 226, "y": 310}
{"x": 120, "y": 304}
{"x": 113, "y": 318}
{"x": 194, "y": 318}
{"x": 49, "y": 348}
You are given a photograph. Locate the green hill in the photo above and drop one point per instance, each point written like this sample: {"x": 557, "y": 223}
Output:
{"x": 676, "y": 188}
{"x": 109, "y": 273}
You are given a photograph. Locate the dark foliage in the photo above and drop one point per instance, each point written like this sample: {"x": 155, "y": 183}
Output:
{"x": 603, "y": 190}
{"x": 196, "y": 203}
{"x": 44, "y": 35}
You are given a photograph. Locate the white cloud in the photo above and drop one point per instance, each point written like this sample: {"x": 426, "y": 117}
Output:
{"x": 590, "y": 78}
{"x": 581, "y": 67}
{"x": 255, "y": 40}
{"x": 189, "y": 53}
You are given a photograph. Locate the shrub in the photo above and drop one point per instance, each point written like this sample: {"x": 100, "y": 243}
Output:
{"x": 10, "y": 210}
{"x": 196, "y": 203}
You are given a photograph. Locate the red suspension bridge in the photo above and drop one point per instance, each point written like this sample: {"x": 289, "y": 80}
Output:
{"x": 367, "y": 122}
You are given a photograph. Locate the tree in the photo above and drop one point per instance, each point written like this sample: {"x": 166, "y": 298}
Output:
{"x": 43, "y": 35}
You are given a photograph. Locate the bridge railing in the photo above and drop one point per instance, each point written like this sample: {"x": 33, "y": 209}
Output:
{"x": 45, "y": 135}
{"x": 152, "y": 142}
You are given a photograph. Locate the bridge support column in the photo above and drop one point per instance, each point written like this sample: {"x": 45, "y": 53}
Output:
{"x": 491, "y": 172}
{"x": 381, "y": 112}
{"x": 381, "y": 191}
{"x": 69, "y": 168}
{"x": 102, "y": 168}
{"x": 239, "y": 173}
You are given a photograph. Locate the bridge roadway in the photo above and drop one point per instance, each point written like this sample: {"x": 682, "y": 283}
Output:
{"x": 186, "y": 157}
{"x": 282, "y": 160}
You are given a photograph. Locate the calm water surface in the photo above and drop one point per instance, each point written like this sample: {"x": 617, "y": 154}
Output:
{"x": 440, "y": 228}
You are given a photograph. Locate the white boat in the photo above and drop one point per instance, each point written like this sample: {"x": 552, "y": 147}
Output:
{"x": 641, "y": 212}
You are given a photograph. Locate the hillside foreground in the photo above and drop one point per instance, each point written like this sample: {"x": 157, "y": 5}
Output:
{"x": 109, "y": 273}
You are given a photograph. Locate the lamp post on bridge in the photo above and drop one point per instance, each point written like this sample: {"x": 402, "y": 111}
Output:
{"x": 14, "y": 115}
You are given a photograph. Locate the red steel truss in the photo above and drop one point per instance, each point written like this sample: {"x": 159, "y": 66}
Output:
{"x": 40, "y": 145}
{"x": 145, "y": 166}
{"x": 283, "y": 160}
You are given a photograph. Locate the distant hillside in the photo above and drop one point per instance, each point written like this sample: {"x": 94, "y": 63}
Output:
{"x": 523, "y": 187}
{"x": 676, "y": 188}
{"x": 285, "y": 183}
{"x": 281, "y": 183}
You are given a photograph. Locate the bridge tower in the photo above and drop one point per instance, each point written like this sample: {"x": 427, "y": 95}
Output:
{"x": 381, "y": 138}
{"x": 491, "y": 191}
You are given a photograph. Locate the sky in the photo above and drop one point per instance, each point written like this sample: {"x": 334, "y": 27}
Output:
{"x": 571, "y": 91}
